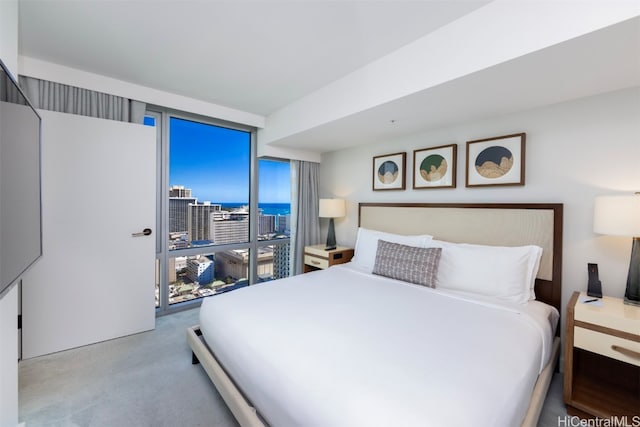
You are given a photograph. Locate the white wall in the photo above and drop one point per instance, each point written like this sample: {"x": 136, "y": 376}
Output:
{"x": 574, "y": 151}
{"x": 9, "y": 34}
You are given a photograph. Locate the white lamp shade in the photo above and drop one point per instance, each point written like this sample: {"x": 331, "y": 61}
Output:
{"x": 617, "y": 215}
{"x": 332, "y": 208}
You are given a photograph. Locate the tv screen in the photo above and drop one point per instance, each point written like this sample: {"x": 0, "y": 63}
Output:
{"x": 20, "y": 201}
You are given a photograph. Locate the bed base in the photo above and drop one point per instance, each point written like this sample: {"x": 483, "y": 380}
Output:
{"x": 247, "y": 415}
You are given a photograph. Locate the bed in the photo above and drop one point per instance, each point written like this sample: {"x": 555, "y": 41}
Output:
{"x": 344, "y": 347}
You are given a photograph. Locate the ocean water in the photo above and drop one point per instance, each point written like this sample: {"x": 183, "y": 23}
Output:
{"x": 267, "y": 208}
{"x": 275, "y": 208}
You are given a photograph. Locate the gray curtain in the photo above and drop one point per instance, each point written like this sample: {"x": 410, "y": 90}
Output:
{"x": 8, "y": 91}
{"x": 53, "y": 96}
{"x": 305, "y": 225}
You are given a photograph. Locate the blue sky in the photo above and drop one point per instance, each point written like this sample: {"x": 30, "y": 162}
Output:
{"x": 275, "y": 182}
{"x": 214, "y": 162}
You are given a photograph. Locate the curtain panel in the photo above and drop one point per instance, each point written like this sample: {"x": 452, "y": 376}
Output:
{"x": 9, "y": 92}
{"x": 62, "y": 98}
{"x": 305, "y": 225}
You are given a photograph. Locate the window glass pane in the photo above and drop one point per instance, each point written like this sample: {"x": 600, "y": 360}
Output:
{"x": 274, "y": 200}
{"x": 149, "y": 121}
{"x": 209, "y": 184}
{"x": 273, "y": 261}
{"x": 274, "y": 218}
{"x": 193, "y": 277}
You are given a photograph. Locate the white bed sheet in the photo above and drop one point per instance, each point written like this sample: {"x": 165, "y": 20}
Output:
{"x": 340, "y": 347}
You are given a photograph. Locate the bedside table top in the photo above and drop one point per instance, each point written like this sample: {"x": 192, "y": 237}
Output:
{"x": 319, "y": 250}
{"x": 613, "y": 313}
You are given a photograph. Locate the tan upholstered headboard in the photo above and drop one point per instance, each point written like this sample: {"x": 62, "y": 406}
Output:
{"x": 513, "y": 224}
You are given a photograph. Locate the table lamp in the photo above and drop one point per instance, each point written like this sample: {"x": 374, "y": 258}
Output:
{"x": 620, "y": 216}
{"x": 331, "y": 208}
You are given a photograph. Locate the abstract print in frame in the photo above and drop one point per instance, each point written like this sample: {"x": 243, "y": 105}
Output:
{"x": 496, "y": 161}
{"x": 388, "y": 172}
{"x": 435, "y": 167}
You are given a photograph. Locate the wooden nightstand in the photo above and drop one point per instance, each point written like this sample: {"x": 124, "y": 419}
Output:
{"x": 602, "y": 358}
{"x": 316, "y": 258}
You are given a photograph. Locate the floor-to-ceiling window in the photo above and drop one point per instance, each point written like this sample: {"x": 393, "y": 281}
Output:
{"x": 224, "y": 214}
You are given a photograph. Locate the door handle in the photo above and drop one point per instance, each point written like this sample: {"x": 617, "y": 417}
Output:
{"x": 144, "y": 232}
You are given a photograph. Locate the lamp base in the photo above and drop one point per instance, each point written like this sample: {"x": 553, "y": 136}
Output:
{"x": 632, "y": 292}
{"x": 331, "y": 237}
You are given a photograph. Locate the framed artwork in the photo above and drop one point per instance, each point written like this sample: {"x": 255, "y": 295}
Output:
{"x": 496, "y": 161}
{"x": 388, "y": 172}
{"x": 435, "y": 167}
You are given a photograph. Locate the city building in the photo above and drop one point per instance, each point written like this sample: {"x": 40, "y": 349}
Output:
{"x": 198, "y": 220}
{"x": 281, "y": 260}
{"x": 180, "y": 191}
{"x": 200, "y": 270}
{"x": 234, "y": 264}
{"x": 229, "y": 227}
{"x": 284, "y": 224}
{"x": 266, "y": 224}
{"x": 178, "y": 240}
{"x": 179, "y": 213}
{"x": 176, "y": 264}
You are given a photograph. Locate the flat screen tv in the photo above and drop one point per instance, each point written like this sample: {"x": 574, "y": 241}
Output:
{"x": 20, "y": 184}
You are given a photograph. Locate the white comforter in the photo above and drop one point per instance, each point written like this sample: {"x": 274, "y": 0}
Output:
{"x": 340, "y": 347}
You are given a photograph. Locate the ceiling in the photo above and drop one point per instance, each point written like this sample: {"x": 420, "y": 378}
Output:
{"x": 255, "y": 56}
{"x": 598, "y": 62}
{"x": 259, "y": 56}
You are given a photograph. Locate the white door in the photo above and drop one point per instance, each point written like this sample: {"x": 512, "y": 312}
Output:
{"x": 95, "y": 280}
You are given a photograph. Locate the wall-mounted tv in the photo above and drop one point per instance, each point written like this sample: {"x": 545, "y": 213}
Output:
{"x": 20, "y": 194}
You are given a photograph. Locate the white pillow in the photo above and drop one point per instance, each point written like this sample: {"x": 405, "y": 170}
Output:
{"x": 504, "y": 272}
{"x": 367, "y": 245}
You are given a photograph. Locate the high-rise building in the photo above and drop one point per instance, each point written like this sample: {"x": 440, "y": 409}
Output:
{"x": 284, "y": 224}
{"x": 229, "y": 227}
{"x": 281, "y": 260}
{"x": 266, "y": 224}
{"x": 198, "y": 220}
{"x": 200, "y": 270}
{"x": 178, "y": 213}
{"x": 180, "y": 191}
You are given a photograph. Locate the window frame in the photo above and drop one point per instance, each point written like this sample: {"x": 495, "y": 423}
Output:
{"x": 163, "y": 254}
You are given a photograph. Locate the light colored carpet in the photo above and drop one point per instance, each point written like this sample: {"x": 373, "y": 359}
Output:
{"x": 143, "y": 380}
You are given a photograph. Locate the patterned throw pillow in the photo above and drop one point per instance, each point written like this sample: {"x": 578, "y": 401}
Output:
{"x": 407, "y": 263}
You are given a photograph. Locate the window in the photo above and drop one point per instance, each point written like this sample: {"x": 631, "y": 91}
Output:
{"x": 208, "y": 184}
{"x": 220, "y": 231}
{"x": 198, "y": 276}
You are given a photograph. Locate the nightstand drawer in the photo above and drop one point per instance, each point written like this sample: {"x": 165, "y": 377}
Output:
{"x": 607, "y": 345}
{"x": 316, "y": 262}
{"x": 317, "y": 257}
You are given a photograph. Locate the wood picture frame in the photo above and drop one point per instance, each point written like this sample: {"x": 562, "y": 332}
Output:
{"x": 496, "y": 161}
{"x": 389, "y": 172}
{"x": 435, "y": 167}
